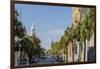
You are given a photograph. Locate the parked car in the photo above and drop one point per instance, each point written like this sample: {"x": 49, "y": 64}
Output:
{"x": 34, "y": 60}
{"x": 43, "y": 57}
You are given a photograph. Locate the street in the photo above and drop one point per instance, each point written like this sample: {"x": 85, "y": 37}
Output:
{"x": 46, "y": 60}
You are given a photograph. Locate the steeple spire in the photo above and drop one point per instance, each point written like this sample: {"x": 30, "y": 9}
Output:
{"x": 32, "y": 33}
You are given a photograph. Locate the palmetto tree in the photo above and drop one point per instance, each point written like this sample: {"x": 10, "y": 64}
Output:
{"x": 29, "y": 45}
{"x": 77, "y": 36}
{"x": 19, "y": 33}
{"x": 86, "y": 30}
{"x": 70, "y": 36}
{"x": 63, "y": 46}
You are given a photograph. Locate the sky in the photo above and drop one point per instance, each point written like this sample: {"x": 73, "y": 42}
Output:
{"x": 50, "y": 21}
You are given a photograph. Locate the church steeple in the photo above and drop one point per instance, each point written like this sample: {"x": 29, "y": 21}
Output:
{"x": 32, "y": 33}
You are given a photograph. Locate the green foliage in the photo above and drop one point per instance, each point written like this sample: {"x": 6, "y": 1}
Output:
{"x": 82, "y": 32}
{"x": 29, "y": 44}
{"x": 19, "y": 28}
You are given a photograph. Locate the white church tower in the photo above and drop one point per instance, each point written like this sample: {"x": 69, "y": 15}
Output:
{"x": 32, "y": 32}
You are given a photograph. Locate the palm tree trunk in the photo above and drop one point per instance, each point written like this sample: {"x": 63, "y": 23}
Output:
{"x": 67, "y": 54}
{"x": 30, "y": 57}
{"x": 84, "y": 49}
{"x": 21, "y": 57}
{"x": 80, "y": 45}
{"x": 73, "y": 50}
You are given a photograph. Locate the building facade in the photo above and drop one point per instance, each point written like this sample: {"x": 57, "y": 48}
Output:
{"x": 78, "y": 15}
{"x": 70, "y": 52}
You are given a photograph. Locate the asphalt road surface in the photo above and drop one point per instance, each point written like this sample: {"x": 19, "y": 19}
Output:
{"x": 47, "y": 60}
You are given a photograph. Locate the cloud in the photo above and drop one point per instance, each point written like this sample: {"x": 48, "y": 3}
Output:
{"x": 54, "y": 32}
